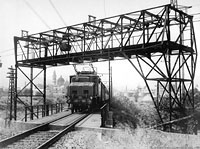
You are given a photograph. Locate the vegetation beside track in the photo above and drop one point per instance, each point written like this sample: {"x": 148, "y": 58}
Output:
{"x": 133, "y": 114}
{"x": 143, "y": 114}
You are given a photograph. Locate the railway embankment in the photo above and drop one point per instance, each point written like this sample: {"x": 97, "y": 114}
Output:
{"x": 124, "y": 137}
{"x": 127, "y": 138}
{"x": 132, "y": 120}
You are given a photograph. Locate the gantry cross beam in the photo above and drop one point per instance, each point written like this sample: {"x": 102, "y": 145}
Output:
{"x": 142, "y": 32}
{"x": 159, "y": 43}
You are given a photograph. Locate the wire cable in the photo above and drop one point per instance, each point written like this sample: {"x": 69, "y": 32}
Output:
{"x": 41, "y": 19}
{"x": 104, "y": 7}
{"x": 196, "y": 14}
{"x": 57, "y": 12}
{"x": 8, "y": 50}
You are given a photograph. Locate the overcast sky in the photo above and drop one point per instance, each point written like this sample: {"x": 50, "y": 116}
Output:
{"x": 40, "y": 15}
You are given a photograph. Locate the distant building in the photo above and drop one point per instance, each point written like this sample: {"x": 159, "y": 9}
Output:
{"x": 140, "y": 94}
{"x": 60, "y": 81}
{"x": 54, "y": 78}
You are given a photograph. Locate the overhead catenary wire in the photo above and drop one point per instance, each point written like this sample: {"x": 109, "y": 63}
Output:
{"x": 195, "y": 21}
{"x": 57, "y": 12}
{"x": 197, "y": 13}
{"x": 104, "y": 3}
{"x": 7, "y": 50}
{"x": 35, "y": 12}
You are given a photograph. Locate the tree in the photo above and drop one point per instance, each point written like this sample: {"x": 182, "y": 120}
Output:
{"x": 26, "y": 92}
{"x": 137, "y": 92}
{"x": 179, "y": 112}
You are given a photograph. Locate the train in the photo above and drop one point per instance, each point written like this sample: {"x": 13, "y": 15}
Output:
{"x": 86, "y": 92}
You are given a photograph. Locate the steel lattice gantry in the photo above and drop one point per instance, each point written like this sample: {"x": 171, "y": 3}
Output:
{"x": 159, "y": 43}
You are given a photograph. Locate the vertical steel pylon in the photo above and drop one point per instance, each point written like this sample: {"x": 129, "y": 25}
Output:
{"x": 171, "y": 71}
{"x": 11, "y": 94}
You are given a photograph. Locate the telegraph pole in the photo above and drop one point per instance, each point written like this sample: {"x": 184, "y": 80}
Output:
{"x": 11, "y": 93}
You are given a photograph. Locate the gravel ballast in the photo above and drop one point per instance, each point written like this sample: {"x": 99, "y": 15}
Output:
{"x": 127, "y": 139}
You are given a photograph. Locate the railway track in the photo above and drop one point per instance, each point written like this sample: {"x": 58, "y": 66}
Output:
{"x": 43, "y": 136}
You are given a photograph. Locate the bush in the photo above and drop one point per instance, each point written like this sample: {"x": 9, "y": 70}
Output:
{"x": 125, "y": 111}
{"x": 148, "y": 115}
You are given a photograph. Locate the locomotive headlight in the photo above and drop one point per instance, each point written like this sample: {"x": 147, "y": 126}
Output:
{"x": 89, "y": 101}
{"x": 83, "y": 100}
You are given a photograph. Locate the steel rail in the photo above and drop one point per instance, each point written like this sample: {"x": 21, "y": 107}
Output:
{"x": 69, "y": 128}
{"x": 22, "y": 135}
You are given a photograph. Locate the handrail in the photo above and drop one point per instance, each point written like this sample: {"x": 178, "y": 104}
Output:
{"x": 173, "y": 121}
{"x": 43, "y": 110}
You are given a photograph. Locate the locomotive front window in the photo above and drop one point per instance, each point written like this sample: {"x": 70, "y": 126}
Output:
{"x": 85, "y": 92}
{"x": 74, "y": 92}
{"x": 80, "y": 79}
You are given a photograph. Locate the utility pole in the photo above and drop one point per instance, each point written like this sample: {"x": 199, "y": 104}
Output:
{"x": 110, "y": 79}
{"x": 11, "y": 93}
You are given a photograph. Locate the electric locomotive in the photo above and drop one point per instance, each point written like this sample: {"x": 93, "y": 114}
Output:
{"x": 86, "y": 92}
